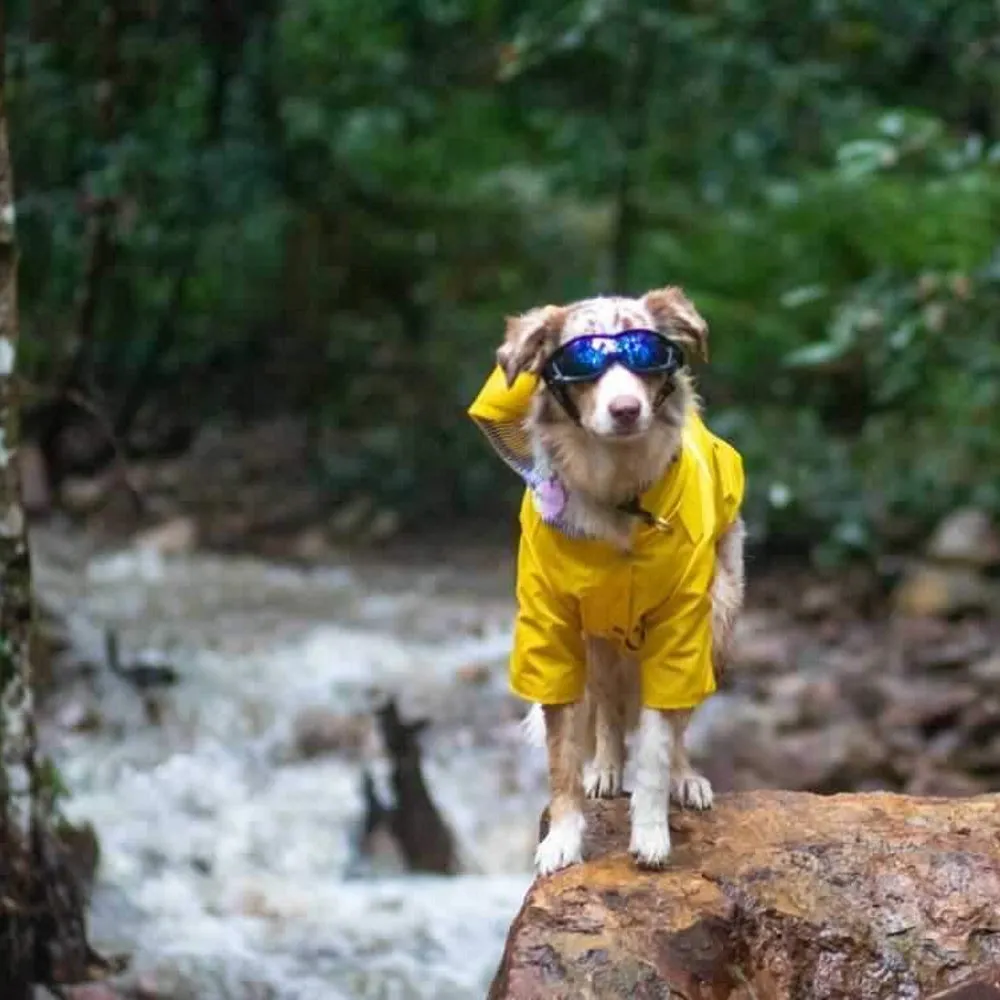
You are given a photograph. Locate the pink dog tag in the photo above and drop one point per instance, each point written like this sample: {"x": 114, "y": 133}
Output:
{"x": 550, "y": 499}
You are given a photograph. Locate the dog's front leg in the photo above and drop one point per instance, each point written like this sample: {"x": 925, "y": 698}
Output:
{"x": 688, "y": 788}
{"x": 607, "y": 678}
{"x": 650, "y": 840}
{"x": 563, "y": 844}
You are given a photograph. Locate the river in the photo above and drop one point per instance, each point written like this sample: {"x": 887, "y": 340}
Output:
{"x": 229, "y": 864}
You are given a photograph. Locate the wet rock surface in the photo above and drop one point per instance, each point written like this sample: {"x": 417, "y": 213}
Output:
{"x": 772, "y": 895}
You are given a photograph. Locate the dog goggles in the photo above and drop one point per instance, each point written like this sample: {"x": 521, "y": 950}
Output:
{"x": 584, "y": 359}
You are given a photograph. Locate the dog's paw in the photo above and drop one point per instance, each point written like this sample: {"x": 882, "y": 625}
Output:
{"x": 562, "y": 846}
{"x": 650, "y": 844}
{"x": 602, "y": 781}
{"x": 692, "y": 791}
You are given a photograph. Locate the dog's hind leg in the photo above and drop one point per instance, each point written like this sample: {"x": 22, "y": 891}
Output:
{"x": 728, "y": 588}
{"x": 688, "y": 788}
{"x": 606, "y": 697}
{"x": 533, "y": 727}
{"x": 563, "y": 844}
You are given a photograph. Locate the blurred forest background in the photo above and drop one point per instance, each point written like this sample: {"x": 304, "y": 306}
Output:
{"x": 236, "y": 209}
{"x": 266, "y": 253}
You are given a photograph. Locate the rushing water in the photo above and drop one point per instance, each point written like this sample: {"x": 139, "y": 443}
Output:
{"x": 229, "y": 866}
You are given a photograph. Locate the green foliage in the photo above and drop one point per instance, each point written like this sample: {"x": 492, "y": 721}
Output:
{"x": 350, "y": 197}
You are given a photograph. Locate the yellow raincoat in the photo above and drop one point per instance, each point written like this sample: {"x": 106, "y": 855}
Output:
{"x": 653, "y": 602}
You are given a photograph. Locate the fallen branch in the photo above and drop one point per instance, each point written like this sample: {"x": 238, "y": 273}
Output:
{"x": 416, "y": 824}
{"x": 142, "y": 676}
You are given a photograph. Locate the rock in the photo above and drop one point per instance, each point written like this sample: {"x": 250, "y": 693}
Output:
{"x": 833, "y": 758}
{"x": 473, "y": 673}
{"x": 79, "y": 717}
{"x": 966, "y": 537}
{"x": 317, "y": 731}
{"x": 384, "y": 525}
{"x": 36, "y": 490}
{"x": 978, "y": 988}
{"x": 311, "y": 546}
{"x": 171, "y": 538}
{"x": 913, "y": 634}
{"x": 82, "y": 495}
{"x": 819, "y": 600}
{"x": 82, "y": 852}
{"x": 146, "y": 988}
{"x": 799, "y": 700}
{"x": 956, "y": 651}
{"x": 944, "y": 784}
{"x": 941, "y": 591}
{"x": 933, "y": 705}
{"x": 350, "y": 518}
{"x": 760, "y": 645}
{"x": 772, "y": 894}
{"x": 92, "y": 991}
{"x": 987, "y": 671}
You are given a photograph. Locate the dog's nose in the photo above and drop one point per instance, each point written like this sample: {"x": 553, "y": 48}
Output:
{"x": 625, "y": 410}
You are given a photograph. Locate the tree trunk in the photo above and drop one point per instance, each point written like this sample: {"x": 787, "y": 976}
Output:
{"x": 42, "y": 931}
{"x": 16, "y": 732}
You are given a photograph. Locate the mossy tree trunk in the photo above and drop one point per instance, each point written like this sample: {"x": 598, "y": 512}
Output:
{"x": 42, "y": 929}
{"x": 17, "y": 924}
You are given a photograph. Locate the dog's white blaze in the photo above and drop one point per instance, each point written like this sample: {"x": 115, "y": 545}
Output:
{"x": 650, "y": 840}
{"x": 619, "y": 381}
{"x": 563, "y": 844}
{"x": 607, "y": 314}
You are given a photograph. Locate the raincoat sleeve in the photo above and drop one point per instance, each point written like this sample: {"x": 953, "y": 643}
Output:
{"x": 675, "y": 668}
{"x": 548, "y": 661}
{"x": 496, "y": 403}
{"x": 500, "y": 411}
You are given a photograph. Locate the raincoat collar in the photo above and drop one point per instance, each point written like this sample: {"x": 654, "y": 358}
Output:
{"x": 501, "y": 411}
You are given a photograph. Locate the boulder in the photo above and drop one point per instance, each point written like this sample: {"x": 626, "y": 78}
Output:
{"x": 966, "y": 537}
{"x": 772, "y": 896}
{"x": 931, "y": 591}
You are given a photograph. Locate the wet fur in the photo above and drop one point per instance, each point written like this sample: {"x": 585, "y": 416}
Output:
{"x": 586, "y": 743}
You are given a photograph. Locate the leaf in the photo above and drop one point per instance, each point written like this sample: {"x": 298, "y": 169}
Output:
{"x": 803, "y": 295}
{"x": 865, "y": 156}
{"x": 822, "y": 354}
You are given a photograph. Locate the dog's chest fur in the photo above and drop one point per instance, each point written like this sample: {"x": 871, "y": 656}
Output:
{"x": 598, "y": 476}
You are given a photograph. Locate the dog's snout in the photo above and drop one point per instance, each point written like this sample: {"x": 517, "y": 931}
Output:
{"x": 625, "y": 409}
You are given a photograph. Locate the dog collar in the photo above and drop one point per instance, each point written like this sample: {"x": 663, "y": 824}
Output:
{"x": 550, "y": 499}
{"x": 635, "y": 509}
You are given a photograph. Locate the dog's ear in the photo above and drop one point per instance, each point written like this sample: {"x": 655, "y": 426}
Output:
{"x": 675, "y": 316}
{"x": 527, "y": 338}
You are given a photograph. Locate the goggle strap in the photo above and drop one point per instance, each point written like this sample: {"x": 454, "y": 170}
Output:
{"x": 563, "y": 398}
{"x": 661, "y": 397}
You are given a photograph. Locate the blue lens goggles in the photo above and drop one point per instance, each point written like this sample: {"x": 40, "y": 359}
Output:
{"x": 583, "y": 359}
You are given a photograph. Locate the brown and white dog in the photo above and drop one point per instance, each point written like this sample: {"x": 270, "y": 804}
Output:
{"x": 620, "y": 446}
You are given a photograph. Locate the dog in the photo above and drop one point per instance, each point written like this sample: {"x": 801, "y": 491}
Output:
{"x": 634, "y": 506}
